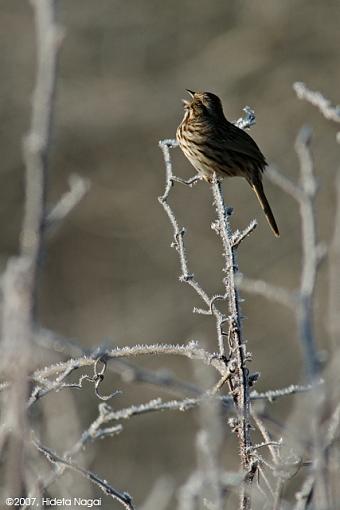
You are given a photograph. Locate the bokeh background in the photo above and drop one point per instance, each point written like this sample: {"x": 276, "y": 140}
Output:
{"x": 109, "y": 275}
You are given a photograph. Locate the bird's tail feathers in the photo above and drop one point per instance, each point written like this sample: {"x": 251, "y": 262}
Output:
{"x": 258, "y": 188}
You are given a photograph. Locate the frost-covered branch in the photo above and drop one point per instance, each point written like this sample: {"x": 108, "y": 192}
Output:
{"x": 238, "y": 356}
{"x": 318, "y": 100}
{"x": 128, "y": 371}
{"x": 248, "y": 120}
{"x": 190, "y": 350}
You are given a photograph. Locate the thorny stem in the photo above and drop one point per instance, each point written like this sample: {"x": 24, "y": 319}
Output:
{"x": 239, "y": 384}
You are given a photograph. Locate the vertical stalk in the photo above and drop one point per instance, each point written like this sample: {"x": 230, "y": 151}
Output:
{"x": 237, "y": 349}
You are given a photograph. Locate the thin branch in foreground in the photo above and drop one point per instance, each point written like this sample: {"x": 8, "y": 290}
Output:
{"x": 123, "y": 497}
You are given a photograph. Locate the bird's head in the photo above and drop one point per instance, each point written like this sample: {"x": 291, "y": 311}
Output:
{"x": 203, "y": 103}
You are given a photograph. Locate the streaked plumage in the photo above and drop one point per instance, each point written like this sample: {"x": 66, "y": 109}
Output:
{"x": 213, "y": 144}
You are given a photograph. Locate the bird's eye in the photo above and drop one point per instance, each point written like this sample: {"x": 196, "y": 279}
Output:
{"x": 201, "y": 107}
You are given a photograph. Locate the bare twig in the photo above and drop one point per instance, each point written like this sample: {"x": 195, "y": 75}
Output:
{"x": 268, "y": 440}
{"x": 238, "y": 236}
{"x": 272, "y": 395}
{"x": 71, "y": 198}
{"x": 318, "y": 100}
{"x": 123, "y": 497}
{"x": 267, "y": 290}
{"x": 284, "y": 183}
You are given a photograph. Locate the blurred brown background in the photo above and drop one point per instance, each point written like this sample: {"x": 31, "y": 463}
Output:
{"x": 109, "y": 275}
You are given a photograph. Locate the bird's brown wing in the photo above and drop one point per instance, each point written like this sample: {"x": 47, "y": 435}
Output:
{"x": 237, "y": 140}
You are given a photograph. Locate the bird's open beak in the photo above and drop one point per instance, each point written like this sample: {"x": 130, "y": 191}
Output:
{"x": 190, "y": 92}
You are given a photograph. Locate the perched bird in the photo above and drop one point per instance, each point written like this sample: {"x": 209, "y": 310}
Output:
{"x": 213, "y": 144}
